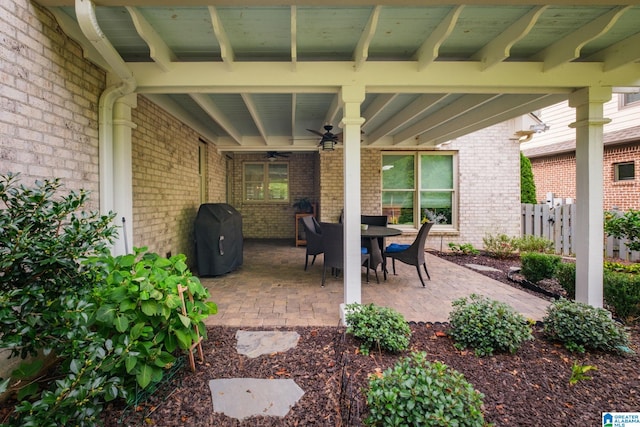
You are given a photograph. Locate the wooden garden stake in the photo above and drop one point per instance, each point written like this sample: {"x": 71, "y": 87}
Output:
{"x": 198, "y": 342}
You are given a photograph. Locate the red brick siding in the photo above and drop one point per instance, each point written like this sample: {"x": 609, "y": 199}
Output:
{"x": 557, "y": 174}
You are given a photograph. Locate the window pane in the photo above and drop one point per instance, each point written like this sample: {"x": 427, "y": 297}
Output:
{"x": 398, "y": 206}
{"x": 254, "y": 181}
{"x": 436, "y": 206}
{"x": 630, "y": 98}
{"x": 625, "y": 171}
{"x": 278, "y": 182}
{"x": 397, "y": 172}
{"x": 436, "y": 172}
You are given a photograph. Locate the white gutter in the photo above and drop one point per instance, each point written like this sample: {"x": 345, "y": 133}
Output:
{"x": 85, "y": 12}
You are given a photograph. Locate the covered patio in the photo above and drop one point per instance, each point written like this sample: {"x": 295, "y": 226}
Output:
{"x": 274, "y": 290}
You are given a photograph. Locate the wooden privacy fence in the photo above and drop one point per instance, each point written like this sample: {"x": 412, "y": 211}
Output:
{"x": 557, "y": 223}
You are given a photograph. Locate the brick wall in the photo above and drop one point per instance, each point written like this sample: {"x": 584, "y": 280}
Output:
{"x": 48, "y": 102}
{"x": 557, "y": 174}
{"x": 489, "y": 186}
{"x": 166, "y": 184}
{"x": 274, "y": 220}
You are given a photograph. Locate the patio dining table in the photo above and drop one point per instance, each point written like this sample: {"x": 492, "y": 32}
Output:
{"x": 375, "y": 234}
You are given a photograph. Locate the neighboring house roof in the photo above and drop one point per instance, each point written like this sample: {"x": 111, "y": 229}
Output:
{"x": 624, "y": 136}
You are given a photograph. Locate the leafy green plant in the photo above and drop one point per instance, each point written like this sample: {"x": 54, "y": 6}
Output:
{"x": 44, "y": 241}
{"x": 416, "y": 392}
{"x": 619, "y": 267}
{"x": 487, "y": 326}
{"x": 45, "y": 300}
{"x": 579, "y": 372}
{"x": 377, "y": 327}
{"x": 531, "y": 243}
{"x": 140, "y": 312}
{"x": 537, "y": 266}
{"x": 583, "y": 327}
{"x": 500, "y": 245}
{"x": 463, "y": 248}
{"x": 626, "y": 226}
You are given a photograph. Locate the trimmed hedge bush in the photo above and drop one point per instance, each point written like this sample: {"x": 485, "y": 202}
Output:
{"x": 487, "y": 326}
{"x": 583, "y": 327}
{"x": 566, "y": 277}
{"x": 416, "y": 392}
{"x": 538, "y": 266}
{"x": 377, "y": 327}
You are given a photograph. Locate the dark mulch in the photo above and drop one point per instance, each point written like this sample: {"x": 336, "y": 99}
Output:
{"x": 529, "y": 388}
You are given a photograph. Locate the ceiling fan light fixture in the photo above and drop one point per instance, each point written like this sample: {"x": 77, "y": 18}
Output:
{"x": 327, "y": 144}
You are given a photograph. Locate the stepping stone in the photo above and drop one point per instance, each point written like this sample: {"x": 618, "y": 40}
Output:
{"x": 245, "y": 397}
{"x": 482, "y": 267}
{"x": 255, "y": 343}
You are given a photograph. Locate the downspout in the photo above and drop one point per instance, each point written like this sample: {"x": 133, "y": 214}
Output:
{"x": 85, "y": 12}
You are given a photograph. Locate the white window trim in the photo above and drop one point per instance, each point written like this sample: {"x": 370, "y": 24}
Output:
{"x": 265, "y": 181}
{"x": 417, "y": 217}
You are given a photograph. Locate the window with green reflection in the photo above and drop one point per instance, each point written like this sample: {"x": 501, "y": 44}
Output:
{"x": 419, "y": 186}
{"x": 266, "y": 182}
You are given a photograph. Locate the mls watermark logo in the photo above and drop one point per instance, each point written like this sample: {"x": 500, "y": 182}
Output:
{"x": 621, "y": 419}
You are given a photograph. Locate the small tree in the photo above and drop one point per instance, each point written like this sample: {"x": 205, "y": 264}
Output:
{"x": 626, "y": 226}
{"x": 527, "y": 184}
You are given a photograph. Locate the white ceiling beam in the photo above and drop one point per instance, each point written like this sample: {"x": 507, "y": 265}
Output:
{"x": 294, "y": 103}
{"x": 181, "y": 114}
{"x": 226, "y": 50}
{"x": 377, "y": 106}
{"x": 620, "y": 54}
{"x": 541, "y": 102}
{"x": 362, "y": 49}
{"x": 216, "y": 114}
{"x": 450, "y": 112}
{"x": 72, "y": 29}
{"x": 158, "y": 49}
{"x": 568, "y": 48}
{"x": 407, "y": 114}
{"x": 496, "y": 107}
{"x": 499, "y": 49}
{"x": 377, "y": 77}
{"x": 251, "y": 106}
{"x": 294, "y": 37}
{"x": 429, "y": 51}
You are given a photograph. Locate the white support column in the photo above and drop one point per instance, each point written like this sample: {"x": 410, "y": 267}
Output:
{"x": 352, "y": 97}
{"x": 122, "y": 173}
{"x": 589, "y": 245}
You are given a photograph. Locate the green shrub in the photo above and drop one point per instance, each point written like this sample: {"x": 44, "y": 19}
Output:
{"x": 463, "y": 249}
{"x": 487, "y": 326}
{"x": 415, "y": 392}
{"x": 566, "y": 276}
{"x": 500, "y": 246}
{"x": 527, "y": 183}
{"x": 140, "y": 312}
{"x": 622, "y": 292}
{"x": 377, "y": 327}
{"x": 537, "y": 266}
{"x": 583, "y": 327}
{"x": 622, "y": 268}
{"x": 530, "y": 243}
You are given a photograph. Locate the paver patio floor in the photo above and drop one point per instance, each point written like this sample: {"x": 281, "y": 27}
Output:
{"x": 272, "y": 289}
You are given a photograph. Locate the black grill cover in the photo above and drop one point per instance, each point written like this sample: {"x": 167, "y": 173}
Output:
{"x": 218, "y": 235}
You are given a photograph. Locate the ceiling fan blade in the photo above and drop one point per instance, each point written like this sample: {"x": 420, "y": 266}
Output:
{"x": 316, "y": 132}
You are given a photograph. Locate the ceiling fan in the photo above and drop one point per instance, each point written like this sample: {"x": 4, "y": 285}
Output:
{"x": 328, "y": 139}
{"x": 274, "y": 155}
